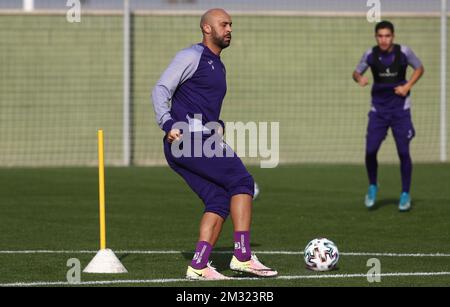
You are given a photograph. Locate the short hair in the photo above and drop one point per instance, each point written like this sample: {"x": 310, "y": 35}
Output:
{"x": 384, "y": 25}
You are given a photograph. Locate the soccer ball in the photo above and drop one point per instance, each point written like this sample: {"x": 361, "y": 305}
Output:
{"x": 321, "y": 255}
{"x": 256, "y": 192}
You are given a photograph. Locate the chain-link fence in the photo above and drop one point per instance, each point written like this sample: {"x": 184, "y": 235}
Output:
{"x": 289, "y": 62}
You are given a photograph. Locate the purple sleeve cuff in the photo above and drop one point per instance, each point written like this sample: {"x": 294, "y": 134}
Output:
{"x": 167, "y": 126}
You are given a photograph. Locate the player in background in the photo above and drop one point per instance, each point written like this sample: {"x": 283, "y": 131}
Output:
{"x": 391, "y": 105}
{"x": 195, "y": 84}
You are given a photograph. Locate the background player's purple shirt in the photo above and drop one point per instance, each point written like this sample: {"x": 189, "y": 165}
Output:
{"x": 194, "y": 83}
{"x": 383, "y": 96}
{"x": 367, "y": 60}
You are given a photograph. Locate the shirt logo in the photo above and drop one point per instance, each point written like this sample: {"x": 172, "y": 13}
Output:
{"x": 210, "y": 62}
{"x": 410, "y": 134}
{"x": 388, "y": 73}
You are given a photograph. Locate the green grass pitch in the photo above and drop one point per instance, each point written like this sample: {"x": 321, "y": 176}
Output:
{"x": 151, "y": 209}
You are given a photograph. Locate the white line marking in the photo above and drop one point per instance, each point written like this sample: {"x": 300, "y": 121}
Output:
{"x": 396, "y": 274}
{"x": 48, "y": 252}
{"x": 174, "y": 280}
{"x": 396, "y": 254}
{"x": 155, "y": 252}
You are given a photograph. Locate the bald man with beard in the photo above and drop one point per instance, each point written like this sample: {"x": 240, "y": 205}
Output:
{"x": 190, "y": 92}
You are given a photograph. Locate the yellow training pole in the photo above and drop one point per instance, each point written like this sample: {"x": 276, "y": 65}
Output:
{"x": 101, "y": 181}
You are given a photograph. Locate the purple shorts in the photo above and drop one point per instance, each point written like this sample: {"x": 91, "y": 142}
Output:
{"x": 379, "y": 123}
{"x": 215, "y": 180}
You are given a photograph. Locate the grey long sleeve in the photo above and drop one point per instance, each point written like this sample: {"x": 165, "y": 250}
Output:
{"x": 182, "y": 67}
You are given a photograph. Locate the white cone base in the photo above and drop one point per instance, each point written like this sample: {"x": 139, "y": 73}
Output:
{"x": 105, "y": 262}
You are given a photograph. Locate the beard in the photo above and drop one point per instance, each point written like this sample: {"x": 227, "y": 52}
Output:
{"x": 221, "y": 41}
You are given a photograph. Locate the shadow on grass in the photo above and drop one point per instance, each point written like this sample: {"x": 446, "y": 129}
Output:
{"x": 123, "y": 256}
{"x": 220, "y": 257}
{"x": 392, "y": 202}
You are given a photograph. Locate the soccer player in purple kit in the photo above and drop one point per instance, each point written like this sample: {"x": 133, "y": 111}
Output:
{"x": 391, "y": 103}
{"x": 195, "y": 84}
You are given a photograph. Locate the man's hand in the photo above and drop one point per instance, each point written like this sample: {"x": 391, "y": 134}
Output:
{"x": 174, "y": 135}
{"x": 402, "y": 90}
{"x": 363, "y": 81}
{"x": 360, "y": 79}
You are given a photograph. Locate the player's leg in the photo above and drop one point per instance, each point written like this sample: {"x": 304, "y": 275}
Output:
{"x": 241, "y": 215}
{"x": 231, "y": 174}
{"x": 243, "y": 260}
{"x": 241, "y": 211}
{"x": 376, "y": 132}
{"x": 404, "y": 132}
{"x": 240, "y": 187}
{"x": 200, "y": 267}
{"x": 216, "y": 201}
{"x": 210, "y": 228}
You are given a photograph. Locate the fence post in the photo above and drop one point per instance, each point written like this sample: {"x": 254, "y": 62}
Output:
{"x": 443, "y": 151}
{"x": 127, "y": 149}
{"x": 28, "y": 5}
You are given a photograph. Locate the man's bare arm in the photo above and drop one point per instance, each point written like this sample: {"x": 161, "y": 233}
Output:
{"x": 360, "y": 79}
{"x": 403, "y": 90}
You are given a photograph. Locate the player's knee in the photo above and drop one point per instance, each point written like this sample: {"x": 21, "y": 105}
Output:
{"x": 371, "y": 152}
{"x": 216, "y": 200}
{"x": 243, "y": 185}
{"x": 404, "y": 155}
{"x": 222, "y": 210}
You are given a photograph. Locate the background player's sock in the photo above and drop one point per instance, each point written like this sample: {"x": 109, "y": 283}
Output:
{"x": 242, "y": 245}
{"x": 406, "y": 171}
{"x": 372, "y": 167}
{"x": 201, "y": 255}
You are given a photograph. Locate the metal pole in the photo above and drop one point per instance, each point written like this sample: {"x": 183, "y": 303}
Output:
{"x": 126, "y": 85}
{"x": 101, "y": 190}
{"x": 28, "y": 5}
{"x": 443, "y": 150}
